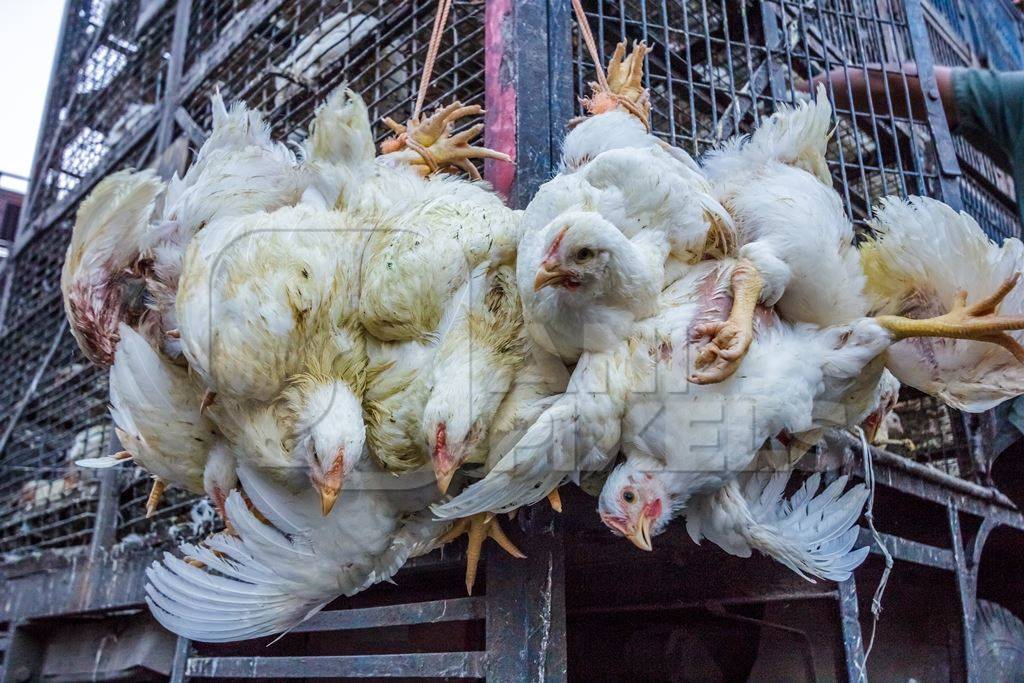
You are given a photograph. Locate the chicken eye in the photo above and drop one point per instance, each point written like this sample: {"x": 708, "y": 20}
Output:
{"x": 629, "y": 497}
{"x": 584, "y": 254}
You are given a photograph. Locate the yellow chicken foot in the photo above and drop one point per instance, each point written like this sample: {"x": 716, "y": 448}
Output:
{"x": 479, "y": 527}
{"x": 555, "y": 500}
{"x": 429, "y": 145}
{"x": 155, "y": 495}
{"x": 977, "y": 321}
{"x": 730, "y": 338}
{"x": 625, "y": 81}
{"x": 902, "y": 443}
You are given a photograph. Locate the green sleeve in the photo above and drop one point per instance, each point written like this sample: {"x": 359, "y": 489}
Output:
{"x": 990, "y": 105}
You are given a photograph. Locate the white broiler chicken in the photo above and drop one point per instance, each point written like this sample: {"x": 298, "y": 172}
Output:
{"x": 274, "y": 574}
{"x": 268, "y": 309}
{"x": 238, "y": 171}
{"x": 622, "y": 193}
{"x": 792, "y": 229}
{"x": 923, "y": 256}
{"x": 103, "y": 280}
{"x": 155, "y": 407}
{"x": 266, "y": 305}
{"x": 122, "y": 269}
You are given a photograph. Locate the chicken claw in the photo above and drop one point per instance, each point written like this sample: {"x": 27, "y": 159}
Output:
{"x": 555, "y": 500}
{"x": 429, "y": 145}
{"x": 625, "y": 81}
{"x": 730, "y": 338}
{"x": 977, "y": 321}
{"x": 156, "y": 494}
{"x": 479, "y": 527}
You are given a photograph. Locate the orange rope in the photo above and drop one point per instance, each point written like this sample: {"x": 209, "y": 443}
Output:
{"x": 440, "y": 19}
{"x": 588, "y": 38}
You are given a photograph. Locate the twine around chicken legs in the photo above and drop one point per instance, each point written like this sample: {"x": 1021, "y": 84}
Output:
{"x": 599, "y": 70}
{"x": 588, "y": 39}
{"x": 440, "y": 20}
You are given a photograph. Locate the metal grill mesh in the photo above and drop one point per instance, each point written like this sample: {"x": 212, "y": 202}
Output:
{"x": 716, "y": 69}
{"x": 303, "y": 50}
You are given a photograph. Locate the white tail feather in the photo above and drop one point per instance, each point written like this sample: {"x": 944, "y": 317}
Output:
{"x": 269, "y": 578}
{"x": 794, "y": 136}
{"x": 811, "y": 534}
{"x": 102, "y": 462}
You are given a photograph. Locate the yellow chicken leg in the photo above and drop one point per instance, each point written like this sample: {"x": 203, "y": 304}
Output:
{"x": 478, "y": 528}
{"x": 555, "y": 500}
{"x": 730, "y": 338}
{"x": 977, "y": 321}
{"x": 155, "y": 495}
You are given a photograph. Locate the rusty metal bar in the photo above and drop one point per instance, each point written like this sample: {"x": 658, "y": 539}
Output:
{"x": 949, "y": 167}
{"x": 182, "y": 650}
{"x": 182, "y": 17}
{"x": 853, "y": 643}
{"x": 525, "y": 628}
{"x": 433, "y": 612}
{"x": 432, "y": 665}
{"x": 966, "y": 590}
{"x": 909, "y": 551}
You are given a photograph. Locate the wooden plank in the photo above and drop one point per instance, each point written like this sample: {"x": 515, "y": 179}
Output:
{"x": 430, "y": 665}
{"x": 434, "y": 612}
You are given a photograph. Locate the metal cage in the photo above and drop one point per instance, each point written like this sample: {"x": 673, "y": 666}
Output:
{"x": 131, "y": 86}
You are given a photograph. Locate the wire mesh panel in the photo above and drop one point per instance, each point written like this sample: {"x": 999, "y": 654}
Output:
{"x": 303, "y": 50}
{"x": 717, "y": 68}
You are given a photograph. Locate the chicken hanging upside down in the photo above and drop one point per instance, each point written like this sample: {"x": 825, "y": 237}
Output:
{"x": 385, "y": 357}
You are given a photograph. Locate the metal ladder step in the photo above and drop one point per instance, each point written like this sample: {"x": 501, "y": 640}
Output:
{"x": 439, "y": 664}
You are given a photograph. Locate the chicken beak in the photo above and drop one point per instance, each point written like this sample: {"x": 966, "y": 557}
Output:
{"x": 443, "y": 461}
{"x": 444, "y": 479}
{"x": 329, "y": 486}
{"x": 328, "y": 497}
{"x": 548, "y": 275}
{"x": 641, "y": 536}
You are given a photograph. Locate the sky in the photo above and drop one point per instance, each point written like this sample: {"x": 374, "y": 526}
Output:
{"x": 28, "y": 38}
